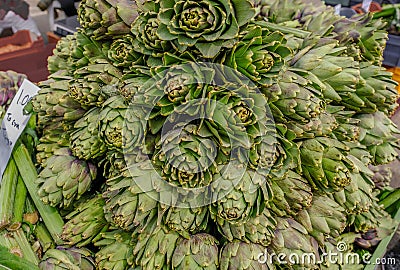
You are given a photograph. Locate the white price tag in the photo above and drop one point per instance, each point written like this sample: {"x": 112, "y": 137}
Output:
{"x": 366, "y": 4}
{"x": 14, "y": 122}
{"x": 337, "y": 9}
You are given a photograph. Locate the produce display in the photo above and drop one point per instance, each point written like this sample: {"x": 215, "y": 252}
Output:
{"x": 214, "y": 134}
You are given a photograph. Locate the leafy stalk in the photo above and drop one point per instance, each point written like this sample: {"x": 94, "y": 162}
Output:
{"x": 17, "y": 244}
{"x": 44, "y": 237}
{"x": 19, "y": 201}
{"x": 7, "y": 193}
{"x": 50, "y": 216}
{"x": 24, "y": 245}
{"x": 11, "y": 261}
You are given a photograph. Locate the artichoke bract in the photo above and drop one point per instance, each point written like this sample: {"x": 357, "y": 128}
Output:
{"x": 212, "y": 134}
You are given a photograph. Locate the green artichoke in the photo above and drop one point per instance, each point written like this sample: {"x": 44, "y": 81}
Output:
{"x": 115, "y": 250}
{"x": 75, "y": 51}
{"x": 294, "y": 99}
{"x": 85, "y": 223}
{"x": 347, "y": 128}
{"x": 291, "y": 194}
{"x": 122, "y": 54}
{"x": 376, "y": 89}
{"x": 356, "y": 197}
{"x": 199, "y": 251}
{"x": 375, "y": 217}
{"x": 104, "y": 19}
{"x": 65, "y": 179}
{"x": 86, "y": 93}
{"x": 292, "y": 238}
{"x": 378, "y": 134}
{"x": 257, "y": 230}
{"x": 325, "y": 163}
{"x": 113, "y": 163}
{"x": 62, "y": 53}
{"x": 242, "y": 256}
{"x": 324, "y": 218}
{"x": 127, "y": 206}
{"x": 187, "y": 159}
{"x": 147, "y": 41}
{"x": 155, "y": 247}
{"x": 111, "y": 124}
{"x": 238, "y": 195}
{"x": 207, "y": 25}
{"x": 260, "y": 55}
{"x": 187, "y": 220}
{"x": 53, "y": 105}
{"x": 85, "y": 141}
{"x": 53, "y": 141}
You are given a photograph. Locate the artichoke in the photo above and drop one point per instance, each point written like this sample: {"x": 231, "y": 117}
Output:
{"x": 73, "y": 52}
{"x": 377, "y": 90}
{"x": 200, "y": 251}
{"x": 122, "y": 54}
{"x": 113, "y": 163}
{"x": 356, "y": 197}
{"x": 85, "y": 140}
{"x": 324, "y": 218}
{"x": 238, "y": 195}
{"x": 259, "y": 55}
{"x": 53, "y": 141}
{"x": 292, "y": 238}
{"x": 376, "y": 217}
{"x": 296, "y": 99}
{"x": 115, "y": 250}
{"x": 155, "y": 247}
{"x": 325, "y": 163}
{"x": 127, "y": 206}
{"x": 106, "y": 19}
{"x": 10, "y": 82}
{"x": 111, "y": 122}
{"x": 53, "y": 105}
{"x": 257, "y": 230}
{"x": 187, "y": 159}
{"x": 147, "y": 41}
{"x": 242, "y": 256}
{"x": 207, "y": 25}
{"x": 382, "y": 176}
{"x": 65, "y": 179}
{"x": 68, "y": 259}
{"x": 86, "y": 93}
{"x": 291, "y": 194}
{"x": 187, "y": 220}
{"x": 378, "y": 135}
{"x": 85, "y": 223}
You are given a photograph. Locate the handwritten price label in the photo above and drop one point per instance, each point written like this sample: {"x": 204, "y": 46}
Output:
{"x": 15, "y": 121}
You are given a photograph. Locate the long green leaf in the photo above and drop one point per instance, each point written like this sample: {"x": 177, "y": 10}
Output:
{"x": 49, "y": 214}
{"x": 382, "y": 247}
{"x": 13, "y": 262}
{"x": 7, "y": 193}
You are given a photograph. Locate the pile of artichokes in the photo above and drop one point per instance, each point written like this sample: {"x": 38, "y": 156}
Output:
{"x": 206, "y": 134}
